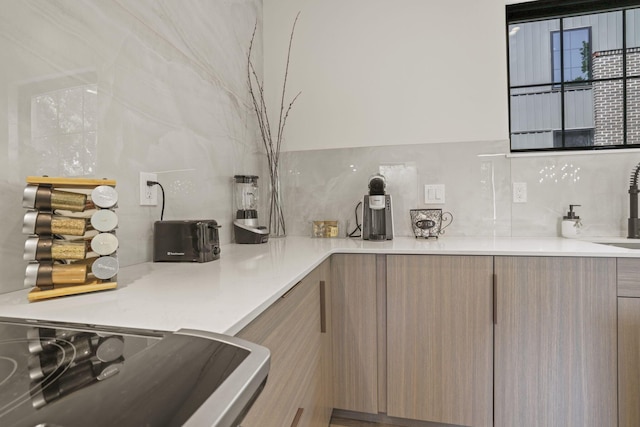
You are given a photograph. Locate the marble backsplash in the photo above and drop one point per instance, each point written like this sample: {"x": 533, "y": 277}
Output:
{"x": 478, "y": 177}
{"x": 113, "y": 88}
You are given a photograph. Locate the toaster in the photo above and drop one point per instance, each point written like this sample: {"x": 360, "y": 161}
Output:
{"x": 186, "y": 241}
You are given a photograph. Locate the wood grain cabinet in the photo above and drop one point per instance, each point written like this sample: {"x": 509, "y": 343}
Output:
{"x": 440, "y": 338}
{"x": 475, "y": 341}
{"x": 295, "y": 330}
{"x": 555, "y": 342}
{"x": 318, "y": 401}
{"x": 629, "y": 342}
{"x": 355, "y": 332}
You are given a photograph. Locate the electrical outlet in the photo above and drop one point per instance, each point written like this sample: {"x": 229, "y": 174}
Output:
{"x": 148, "y": 194}
{"x": 519, "y": 192}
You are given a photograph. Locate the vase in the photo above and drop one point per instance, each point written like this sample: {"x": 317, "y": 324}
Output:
{"x": 276, "y": 217}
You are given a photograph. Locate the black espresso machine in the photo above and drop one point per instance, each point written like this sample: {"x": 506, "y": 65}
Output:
{"x": 377, "y": 214}
{"x": 186, "y": 241}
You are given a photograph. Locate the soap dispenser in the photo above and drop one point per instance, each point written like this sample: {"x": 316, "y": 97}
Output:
{"x": 571, "y": 223}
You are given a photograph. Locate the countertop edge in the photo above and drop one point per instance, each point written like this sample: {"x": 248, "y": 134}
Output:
{"x": 225, "y": 295}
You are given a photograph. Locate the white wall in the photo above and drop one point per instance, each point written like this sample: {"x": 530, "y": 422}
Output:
{"x": 379, "y": 72}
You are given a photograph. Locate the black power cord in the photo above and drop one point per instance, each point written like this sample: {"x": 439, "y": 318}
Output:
{"x": 151, "y": 184}
{"x": 358, "y": 225}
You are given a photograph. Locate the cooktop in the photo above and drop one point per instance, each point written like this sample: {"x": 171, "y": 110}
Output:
{"x": 67, "y": 375}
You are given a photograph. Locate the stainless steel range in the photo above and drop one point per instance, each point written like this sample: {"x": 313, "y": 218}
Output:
{"x": 67, "y": 375}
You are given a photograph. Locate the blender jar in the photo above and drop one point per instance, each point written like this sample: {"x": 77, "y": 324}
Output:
{"x": 246, "y": 199}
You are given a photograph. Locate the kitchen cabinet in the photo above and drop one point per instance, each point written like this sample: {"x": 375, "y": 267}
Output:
{"x": 629, "y": 361}
{"x": 355, "y": 332}
{"x": 555, "y": 342}
{"x": 440, "y": 338}
{"x": 628, "y": 342}
{"x": 456, "y": 340}
{"x": 629, "y": 277}
{"x": 318, "y": 398}
{"x": 294, "y": 330}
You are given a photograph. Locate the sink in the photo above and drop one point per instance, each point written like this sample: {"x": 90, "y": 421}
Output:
{"x": 626, "y": 245}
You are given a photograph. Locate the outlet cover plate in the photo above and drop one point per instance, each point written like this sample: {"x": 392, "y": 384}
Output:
{"x": 519, "y": 192}
{"x": 148, "y": 194}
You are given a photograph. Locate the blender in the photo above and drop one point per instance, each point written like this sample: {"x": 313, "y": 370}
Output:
{"x": 245, "y": 226}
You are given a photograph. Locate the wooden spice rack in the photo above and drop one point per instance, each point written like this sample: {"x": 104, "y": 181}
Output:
{"x": 64, "y": 287}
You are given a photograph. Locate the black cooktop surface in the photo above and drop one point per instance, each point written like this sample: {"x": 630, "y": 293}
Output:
{"x": 69, "y": 375}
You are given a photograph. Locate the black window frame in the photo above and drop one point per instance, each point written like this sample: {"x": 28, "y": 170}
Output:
{"x": 558, "y": 9}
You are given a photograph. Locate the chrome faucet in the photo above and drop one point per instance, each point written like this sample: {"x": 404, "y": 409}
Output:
{"x": 634, "y": 222}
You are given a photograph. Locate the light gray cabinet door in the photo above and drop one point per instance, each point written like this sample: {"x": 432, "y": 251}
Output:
{"x": 555, "y": 342}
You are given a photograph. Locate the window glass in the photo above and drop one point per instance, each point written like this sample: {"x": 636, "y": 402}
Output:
{"x": 633, "y": 111}
{"x": 529, "y": 58}
{"x": 578, "y": 108}
{"x": 534, "y": 115}
{"x": 573, "y": 138}
{"x": 609, "y": 113}
{"x": 633, "y": 42}
{"x": 576, "y": 46}
{"x": 569, "y": 87}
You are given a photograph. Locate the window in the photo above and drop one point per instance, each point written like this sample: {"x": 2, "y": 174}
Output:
{"x": 574, "y": 75}
{"x": 574, "y": 51}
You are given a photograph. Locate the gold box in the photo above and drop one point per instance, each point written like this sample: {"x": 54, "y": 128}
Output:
{"x": 325, "y": 229}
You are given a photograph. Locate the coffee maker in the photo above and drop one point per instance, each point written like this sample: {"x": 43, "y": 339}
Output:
{"x": 377, "y": 217}
{"x": 245, "y": 226}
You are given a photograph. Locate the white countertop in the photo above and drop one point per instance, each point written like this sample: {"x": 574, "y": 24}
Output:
{"x": 225, "y": 295}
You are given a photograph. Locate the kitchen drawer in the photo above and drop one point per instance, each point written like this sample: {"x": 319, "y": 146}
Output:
{"x": 629, "y": 277}
{"x": 290, "y": 329}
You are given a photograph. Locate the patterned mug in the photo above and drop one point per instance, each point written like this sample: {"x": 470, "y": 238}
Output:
{"x": 429, "y": 222}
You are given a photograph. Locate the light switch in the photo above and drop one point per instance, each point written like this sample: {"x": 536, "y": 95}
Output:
{"x": 434, "y": 194}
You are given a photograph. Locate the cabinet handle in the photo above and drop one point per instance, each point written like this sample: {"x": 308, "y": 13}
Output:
{"x": 495, "y": 299}
{"x": 296, "y": 419}
{"x": 323, "y": 307}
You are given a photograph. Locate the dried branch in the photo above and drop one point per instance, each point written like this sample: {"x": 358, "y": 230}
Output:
{"x": 256, "y": 90}
{"x": 284, "y": 83}
{"x": 258, "y": 106}
{"x": 284, "y": 121}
